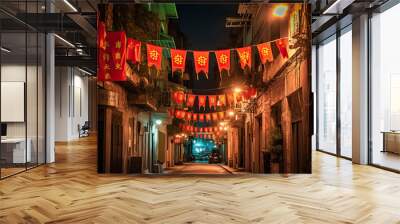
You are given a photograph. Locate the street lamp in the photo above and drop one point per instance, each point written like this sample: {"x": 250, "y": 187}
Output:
{"x": 237, "y": 90}
{"x": 280, "y": 10}
{"x": 158, "y": 122}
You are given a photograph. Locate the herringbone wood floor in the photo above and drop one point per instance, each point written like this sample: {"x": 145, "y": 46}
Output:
{"x": 70, "y": 191}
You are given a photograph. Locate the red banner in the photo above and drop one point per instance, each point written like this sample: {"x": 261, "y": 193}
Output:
{"x": 221, "y": 115}
{"x": 154, "y": 56}
{"x": 195, "y": 117}
{"x": 190, "y": 100}
{"x": 101, "y": 35}
{"x": 134, "y": 50}
{"x": 282, "y": 46}
{"x": 104, "y": 67}
{"x": 265, "y": 52}
{"x": 201, "y": 117}
{"x": 208, "y": 117}
{"x": 117, "y": 43}
{"x": 230, "y": 98}
{"x": 201, "y": 61}
{"x": 215, "y": 116}
{"x": 221, "y": 100}
{"x": 212, "y": 101}
{"x": 244, "y": 56}
{"x": 202, "y": 101}
{"x": 179, "y": 97}
{"x": 189, "y": 116}
{"x": 178, "y": 59}
{"x": 223, "y": 59}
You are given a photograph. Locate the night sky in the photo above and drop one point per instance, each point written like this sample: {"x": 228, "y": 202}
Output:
{"x": 204, "y": 28}
{"x": 204, "y": 24}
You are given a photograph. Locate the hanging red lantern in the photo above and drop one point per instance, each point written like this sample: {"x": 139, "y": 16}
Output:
{"x": 179, "y": 97}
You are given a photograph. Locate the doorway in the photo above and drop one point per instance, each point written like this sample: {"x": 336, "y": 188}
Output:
{"x": 116, "y": 142}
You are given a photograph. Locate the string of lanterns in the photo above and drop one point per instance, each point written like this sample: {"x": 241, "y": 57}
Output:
{"x": 115, "y": 49}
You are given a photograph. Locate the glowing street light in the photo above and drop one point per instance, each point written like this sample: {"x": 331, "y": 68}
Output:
{"x": 231, "y": 113}
{"x": 237, "y": 90}
{"x": 280, "y": 10}
{"x": 158, "y": 122}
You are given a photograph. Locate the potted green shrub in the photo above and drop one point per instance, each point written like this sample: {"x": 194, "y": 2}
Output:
{"x": 276, "y": 150}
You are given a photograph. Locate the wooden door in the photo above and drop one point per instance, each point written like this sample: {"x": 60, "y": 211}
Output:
{"x": 116, "y": 142}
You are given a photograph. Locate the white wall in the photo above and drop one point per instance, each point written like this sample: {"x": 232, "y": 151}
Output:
{"x": 71, "y": 102}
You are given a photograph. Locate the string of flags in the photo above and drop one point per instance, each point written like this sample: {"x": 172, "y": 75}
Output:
{"x": 115, "y": 49}
{"x": 213, "y": 129}
{"x": 191, "y": 116}
{"x": 226, "y": 99}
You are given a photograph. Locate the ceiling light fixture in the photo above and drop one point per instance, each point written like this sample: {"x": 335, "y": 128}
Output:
{"x": 280, "y": 10}
{"x": 5, "y": 50}
{"x": 70, "y": 5}
{"x": 64, "y": 40}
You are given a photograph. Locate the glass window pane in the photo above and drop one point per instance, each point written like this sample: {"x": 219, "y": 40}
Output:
{"x": 327, "y": 96}
{"x": 346, "y": 94}
{"x": 385, "y": 84}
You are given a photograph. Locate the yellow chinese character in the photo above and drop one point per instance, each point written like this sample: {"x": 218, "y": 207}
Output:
{"x": 118, "y": 44}
{"x": 223, "y": 59}
{"x": 118, "y": 66}
{"x": 154, "y": 55}
{"x": 106, "y": 57}
{"x": 202, "y": 60}
{"x": 244, "y": 57}
{"x": 265, "y": 51}
{"x": 178, "y": 59}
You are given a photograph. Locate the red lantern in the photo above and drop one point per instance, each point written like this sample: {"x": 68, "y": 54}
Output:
{"x": 179, "y": 97}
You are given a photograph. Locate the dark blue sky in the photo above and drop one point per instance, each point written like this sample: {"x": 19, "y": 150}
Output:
{"x": 204, "y": 24}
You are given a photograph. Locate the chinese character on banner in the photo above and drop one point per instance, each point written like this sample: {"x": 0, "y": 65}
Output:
{"x": 265, "y": 52}
{"x": 212, "y": 101}
{"x": 178, "y": 59}
{"x": 221, "y": 100}
{"x": 201, "y": 117}
{"x": 154, "y": 56}
{"x": 215, "y": 116}
{"x": 117, "y": 46}
{"x": 190, "y": 100}
{"x": 201, "y": 61}
{"x": 282, "y": 46}
{"x": 104, "y": 66}
{"x": 223, "y": 59}
{"x": 134, "y": 50}
{"x": 202, "y": 101}
{"x": 244, "y": 56}
{"x": 101, "y": 35}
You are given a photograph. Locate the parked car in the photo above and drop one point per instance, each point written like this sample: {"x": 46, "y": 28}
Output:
{"x": 214, "y": 157}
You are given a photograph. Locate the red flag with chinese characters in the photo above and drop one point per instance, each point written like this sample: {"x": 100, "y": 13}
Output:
{"x": 221, "y": 115}
{"x": 190, "y": 100}
{"x": 215, "y": 116}
{"x": 194, "y": 116}
{"x": 154, "y": 56}
{"x": 178, "y": 59}
{"x": 101, "y": 35}
{"x": 223, "y": 59}
{"x": 104, "y": 65}
{"x": 183, "y": 114}
{"x": 202, "y": 101}
{"x": 201, "y": 61}
{"x": 201, "y": 117}
{"x": 134, "y": 50}
{"x": 244, "y": 56}
{"x": 265, "y": 52}
{"x": 117, "y": 49}
{"x": 212, "y": 101}
{"x": 189, "y": 116}
{"x": 221, "y": 100}
{"x": 230, "y": 98}
{"x": 282, "y": 46}
{"x": 208, "y": 117}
